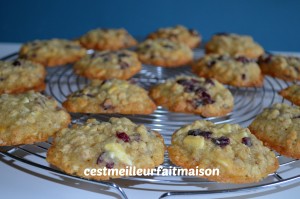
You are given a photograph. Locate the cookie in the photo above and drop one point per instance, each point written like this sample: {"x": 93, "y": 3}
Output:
{"x": 116, "y": 144}
{"x": 165, "y": 53}
{"x": 279, "y": 128}
{"x": 239, "y": 155}
{"x": 110, "y": 96}
{"x": 52, "y": 52}
{"x": 236, "y": 71}
{"x": 282, "y": 67}
{"x": 197, "y": 95}
{"x": 20, "y": 76}
{"x": 121, "y": 64}
{"x": 189, "y": 37}
{"x": 292, "y": 93}
{"x": 107, "y": 39}
{"x": 28, "y": 118}
{"x": 234, "y": 45}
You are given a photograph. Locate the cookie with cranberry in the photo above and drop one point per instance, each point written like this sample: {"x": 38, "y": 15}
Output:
{"x": 279, "y": 128}
{"x": 280, "y": 66}
{"x": 121, "y": 64}
{"x": 20, "y": 76}
{"x": 107, "y": 39}
{"x": 239, "y": 155}
{"x": 52, "y": 52}
{"x": 117, "y": 144}
{"x": 292, "y": 93}
{"x": 236, "y": 71}
{"x": 197, "y": 95}
{"x": 234, "y": 45}
{"x": 178, "y": 33}
{"x": 29, "y": 117}
{"x": 164, "y": 52}
{"x": 110, "y": 96}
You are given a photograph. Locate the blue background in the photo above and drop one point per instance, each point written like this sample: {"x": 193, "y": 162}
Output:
{"x": 274, "y": 24}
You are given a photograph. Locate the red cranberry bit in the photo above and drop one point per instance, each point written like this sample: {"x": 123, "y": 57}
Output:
{"x": 247, "y": 141}
{"x": 265, "y": 58}
{"x": 206, "y": 98}
{"x": 123, "y": 65}
{"x": 211, "y": 64}
{"x": 221, "y": 141}
{"x": 198, "y": 132}
{"x": 191, "y": 85}
{"x": 100, "y": 158}
{"x": 243, "y": 59}
{"x": 16, "y": 63}
{"x": 209, "y": 81}
{"x": 123, "y": 136}
{"x": 168, "y": 46}
{"x": 110, "y": 165}
{"x": 243, "y": 76}
{"x": 122, "y": 54}
{"x": 107, "y": 104}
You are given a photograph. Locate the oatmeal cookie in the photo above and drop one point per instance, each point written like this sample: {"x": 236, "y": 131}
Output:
{"x": 178, "y": 33}
{"x": 197, "y": 95}
{"x": 279, "y": 128}
{"x": 239, "y": 155}
{"x": 165, "y": 53}
{"x": 117, "y": 144}
{"x": 283, "y": 67}
{"x": 107, "y": 39}
{"x": 52, "y": 52}
{"x": 234, "y": 45}
{"x": 236, "y": 71}
{"x": 292, "y": 93}
{"x": 110, "y": 96}
{"x": 20, "y": 76}
{"x": 29, "y": 117}
{"x": 121, "y": 64}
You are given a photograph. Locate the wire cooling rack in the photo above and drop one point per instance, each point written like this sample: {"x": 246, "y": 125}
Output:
{"x": 61, "y": 81}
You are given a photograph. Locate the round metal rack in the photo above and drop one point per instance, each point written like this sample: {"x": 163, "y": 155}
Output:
{"x": 61, "y": 81}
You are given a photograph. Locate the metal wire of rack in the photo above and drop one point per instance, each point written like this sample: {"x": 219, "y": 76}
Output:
{"x": 61, "y": 81}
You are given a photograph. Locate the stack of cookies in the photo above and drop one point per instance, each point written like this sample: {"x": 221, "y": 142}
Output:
{"x": 109, "y": 58}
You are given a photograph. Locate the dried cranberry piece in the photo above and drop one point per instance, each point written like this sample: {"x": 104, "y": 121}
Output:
{"x": 243, "y": 59}
{"x": 266, "y": 58}
{"x": 191, "y": 85}
{"x": 123, "y": 136}
{"x": 110, "y": 165}
{"x": 221, "y": 141}
{"x": 198, "y": 132}
{"x": 123, "y": 65}
{"x": 107, "y": 104}
{"x": 100, "y": 159}
{"x": 168, "y": 46}
{"x": 209, "y": 81}
{"x": 2, "y": 79}
{"x": 211, "y": 64}
{"x": 122, "y": 54}
{"x": 243, "y": 76}
{"x": 247, "y": 141}
{"x": 206, "y": 98}
{"x": 16, "y": 63}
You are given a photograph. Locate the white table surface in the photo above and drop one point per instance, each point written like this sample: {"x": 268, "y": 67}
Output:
{"x": 19, "y": 180}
